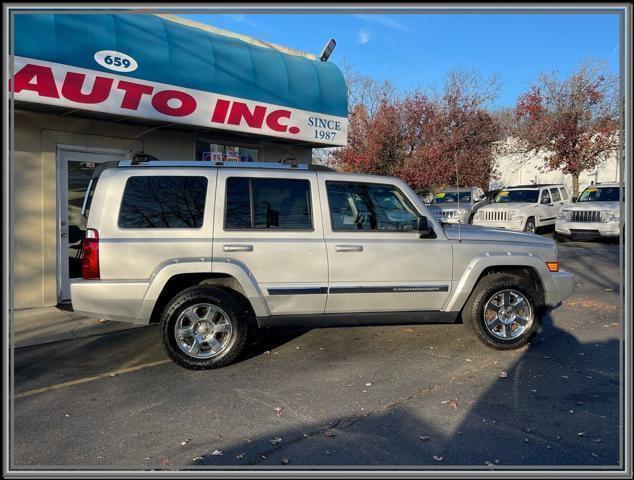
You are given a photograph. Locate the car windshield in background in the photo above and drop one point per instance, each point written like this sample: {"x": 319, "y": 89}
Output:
{"x": 452, "y": 197}
{"x": 517, "y": 196}
{"x": 605, "y": 194}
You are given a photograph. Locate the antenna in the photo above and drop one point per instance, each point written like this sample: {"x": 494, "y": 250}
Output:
{"x": 455, "y": 161}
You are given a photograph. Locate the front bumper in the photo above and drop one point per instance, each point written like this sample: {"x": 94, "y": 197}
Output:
{"x": 599, "y": 229}
{"x": 562, "y": 287}
{"x": 513, "y": 225}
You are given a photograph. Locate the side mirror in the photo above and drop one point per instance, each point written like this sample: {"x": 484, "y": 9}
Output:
{"x": 423, "y": 227}
{"x": 574, "y": 199}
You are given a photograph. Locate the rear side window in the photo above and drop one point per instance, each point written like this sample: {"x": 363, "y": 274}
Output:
{"x": 268, "y": 203}
{"x": 163, "y": 202}
{"x": 555, "y": 194}
{"x": 564, "y": 193}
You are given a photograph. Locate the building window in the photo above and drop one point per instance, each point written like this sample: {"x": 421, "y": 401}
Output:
{"x": 163, "y": 202}
{"x": 224, "y": 153}
{"x": 267, "y": 203}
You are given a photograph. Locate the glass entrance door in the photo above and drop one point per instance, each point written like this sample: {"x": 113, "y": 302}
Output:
{"x": 75, "y": 169}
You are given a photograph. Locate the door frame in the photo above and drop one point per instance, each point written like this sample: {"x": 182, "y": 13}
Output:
{"x": 62, "y": 196}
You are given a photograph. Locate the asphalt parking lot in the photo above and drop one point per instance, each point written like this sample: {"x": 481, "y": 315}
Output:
{"x": 425, "y": 395}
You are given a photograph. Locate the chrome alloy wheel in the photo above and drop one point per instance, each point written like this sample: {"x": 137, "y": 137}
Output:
{"x": 508, "y": 314}
{"x": 203, "y": 330}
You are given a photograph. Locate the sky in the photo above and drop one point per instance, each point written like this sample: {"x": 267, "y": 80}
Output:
{"x": 417, "y": 50}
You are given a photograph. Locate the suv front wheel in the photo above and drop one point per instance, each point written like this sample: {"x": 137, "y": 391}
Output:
{"x": 204, "y": 327}
{"x": 502, "y": 312}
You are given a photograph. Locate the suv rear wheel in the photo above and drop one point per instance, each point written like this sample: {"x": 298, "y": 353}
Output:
{"x": 204, "y": 327}
{"x": 502, "y": 312}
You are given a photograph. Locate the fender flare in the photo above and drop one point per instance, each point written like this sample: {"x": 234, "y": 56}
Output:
{"x": 179, "y": 266}
{"x": 480, "y": 263}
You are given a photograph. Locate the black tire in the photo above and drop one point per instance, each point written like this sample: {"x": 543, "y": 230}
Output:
{"x": 230, "y": 303}
{"x": 527, "y": 227}
{"x": 487, "y": 287}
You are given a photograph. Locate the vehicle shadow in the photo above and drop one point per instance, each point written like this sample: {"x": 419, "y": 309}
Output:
{"x": 557, "y": 405}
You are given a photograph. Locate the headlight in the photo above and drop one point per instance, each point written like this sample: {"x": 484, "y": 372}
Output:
{"x": 512, "y": 215}
{"x": 608, "y": 216}
{"x": 461, "y": 211}
{"x": 564, "y": 215}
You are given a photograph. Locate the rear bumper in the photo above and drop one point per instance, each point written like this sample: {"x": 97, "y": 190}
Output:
{"x": 120, "y": 301}
{"x": 562, "y": 287}
{"x": 597, "y": 229}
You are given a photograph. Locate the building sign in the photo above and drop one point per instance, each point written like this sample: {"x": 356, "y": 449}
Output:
{"x": 79, "y": 88}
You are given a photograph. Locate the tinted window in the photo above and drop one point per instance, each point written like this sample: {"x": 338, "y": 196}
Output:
{"x": 555, "y": 193}
{"x": 363, "y": 206}
{"x": 163, "y": 202}
{"x": 453, "y": 197}
{"x": 517, "y": 196}
{"x": 545, "y": 196}
{"x": 268, "y": 203}
{"x": 600, "y": 194}
{"x": 564, "y": 193}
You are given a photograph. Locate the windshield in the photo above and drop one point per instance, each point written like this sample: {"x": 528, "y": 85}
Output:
{"x": 452, "y": 197}
{"x": 517, "y": 196}
{"x": 605, "y": 194}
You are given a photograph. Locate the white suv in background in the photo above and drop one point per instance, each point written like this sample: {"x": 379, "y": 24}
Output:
{"x": 597, "y": 213}
{"x": 453, "y": 205}
{"x": 524, "y": 208}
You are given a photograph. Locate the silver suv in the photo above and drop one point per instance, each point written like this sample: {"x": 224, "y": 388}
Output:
{"x": 210, "y": 250}
{"x": 454, "y": 205}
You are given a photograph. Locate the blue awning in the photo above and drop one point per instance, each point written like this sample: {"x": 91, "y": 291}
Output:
{"x": 176, "y": 54}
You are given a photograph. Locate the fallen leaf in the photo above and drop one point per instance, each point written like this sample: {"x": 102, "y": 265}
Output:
{"x": 284, "y": 461}
{"x": 408, "y": 330}
{"x": 330, "y": 434}
{"x": 454, "y": 404}
{"x": 279, "y": 411}
{"x": 327, "y": 453}
{"x": 185, "y": 442}
{"x": 369, "y": 384}
{"x": 503, "y": 374}
{"x": 581, "y": 434}
{"x": 438, "y": 458}
{"x": 596, "y": 440}
{"x": 424, "y": 438}
{"x": 241, "y": 456}
{"x": 275, "y": 441}
{"x": 196, "y": 459}
{"x": 216, "y": 452}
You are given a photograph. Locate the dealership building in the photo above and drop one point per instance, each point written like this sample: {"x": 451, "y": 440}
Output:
{"x": 91, "y": 88}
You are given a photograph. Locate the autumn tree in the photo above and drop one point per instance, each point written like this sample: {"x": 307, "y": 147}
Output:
{"x": 573, "y": 121}
{"x": 427, "y": 139}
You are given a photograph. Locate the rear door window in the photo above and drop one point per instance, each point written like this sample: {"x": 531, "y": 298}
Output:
{"x": 163, "y": 202}
{"x": 268, "y": 203}
{"x": 555, "y": 194}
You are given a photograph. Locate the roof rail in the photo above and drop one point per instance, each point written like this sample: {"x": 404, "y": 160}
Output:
{"x": 214, "y": 164}
{"x": 536, "y": 185}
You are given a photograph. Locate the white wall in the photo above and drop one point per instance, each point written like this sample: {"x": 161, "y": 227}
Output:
{"x": 521, "y": 168}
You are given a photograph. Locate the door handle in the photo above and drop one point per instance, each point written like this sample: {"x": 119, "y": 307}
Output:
{"x": 348, "y": 248}
{"x": 238, "y": 248}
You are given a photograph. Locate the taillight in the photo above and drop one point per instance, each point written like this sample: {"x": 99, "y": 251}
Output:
{"x": 90, "y": 255}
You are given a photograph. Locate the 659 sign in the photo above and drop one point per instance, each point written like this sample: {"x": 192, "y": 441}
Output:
{"x": 117, "y": 61}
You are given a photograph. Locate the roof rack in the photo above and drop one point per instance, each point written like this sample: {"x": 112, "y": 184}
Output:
{"x": 214, "y": 164}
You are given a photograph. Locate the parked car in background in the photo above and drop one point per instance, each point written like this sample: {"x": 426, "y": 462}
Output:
{"x": 491, "y": 194}
{"x": 597, "y": 213}
{"x": 524, "y": 208}
{"x": 425, "y": 194}
{"x": 455, "y": 205}
{"x": 212, "y": 251}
